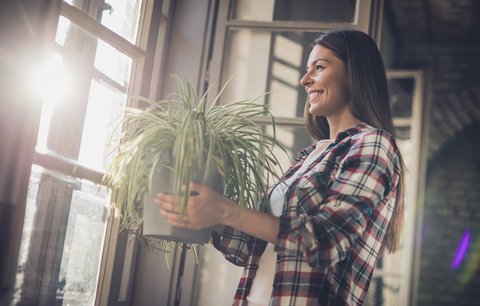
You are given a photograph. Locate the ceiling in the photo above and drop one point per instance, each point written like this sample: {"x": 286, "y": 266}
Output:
{"x": 434, "y": 21}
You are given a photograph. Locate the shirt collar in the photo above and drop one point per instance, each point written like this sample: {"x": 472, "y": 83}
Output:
{"x": 351, "y": 131}
{"x": 342, "y": 135}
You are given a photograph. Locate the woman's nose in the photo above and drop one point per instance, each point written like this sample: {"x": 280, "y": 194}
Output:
{"x": 305, "y": 80}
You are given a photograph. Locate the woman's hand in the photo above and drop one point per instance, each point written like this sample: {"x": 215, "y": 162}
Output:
{"x": 205, "y": 208}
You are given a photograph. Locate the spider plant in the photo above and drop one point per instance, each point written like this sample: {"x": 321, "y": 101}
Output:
{"x": 181, "y": 136}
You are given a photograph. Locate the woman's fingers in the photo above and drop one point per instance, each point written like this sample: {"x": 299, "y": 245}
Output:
{"x": 198, "y": 188}
{"x": 179, "y": 220}
{"x": 202, "y": 208}
{"x": 164, "y": 197}
{"x": 168, "y": 206}
{"x": 167, "y": 202}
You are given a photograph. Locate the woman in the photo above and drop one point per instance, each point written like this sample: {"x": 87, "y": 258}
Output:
{"x": 337, "y": 206}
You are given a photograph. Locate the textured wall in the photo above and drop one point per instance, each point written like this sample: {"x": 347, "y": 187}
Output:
{"x": 452, "y": 217}
{"x": 454, "y": 89}
{"x": 452, "y": 201}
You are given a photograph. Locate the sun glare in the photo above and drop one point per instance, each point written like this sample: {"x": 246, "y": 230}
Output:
{"x": 51, "y": 81}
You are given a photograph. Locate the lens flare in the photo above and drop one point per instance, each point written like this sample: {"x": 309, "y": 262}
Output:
{"x": 461, "y": 249}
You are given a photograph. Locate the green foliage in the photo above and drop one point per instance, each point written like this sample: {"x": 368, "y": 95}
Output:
{"x": 181, "y": 134}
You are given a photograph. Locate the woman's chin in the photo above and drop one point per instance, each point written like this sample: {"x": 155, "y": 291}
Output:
{"x": 314, "y": 111}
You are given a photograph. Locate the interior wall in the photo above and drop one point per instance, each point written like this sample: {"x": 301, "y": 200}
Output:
{"x": 453, "y": 70}
{"x": 450, "y": 258}
{"x": 451, "y": 206}
{"x": 388, "y": 45}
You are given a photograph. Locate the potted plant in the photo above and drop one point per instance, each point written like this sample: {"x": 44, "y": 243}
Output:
{"x": 174, "y": 141}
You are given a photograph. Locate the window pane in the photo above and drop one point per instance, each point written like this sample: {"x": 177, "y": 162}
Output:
{"x": 293, "y": 138}
{"x": 263, "y": 61}
{"x": 299, "y": 10}
{"x": 401, "y": 96}
{"x": 79, "y": 43}
{"x": 383, "y": 291}
{"x": 117, "y": 66}
{"x": 62, "y": 240}
{"x": 105, "y": 109}
{"x": 402, "y": 132}
{"x": 120, "y": 16}
{"x": 63, "y": 28}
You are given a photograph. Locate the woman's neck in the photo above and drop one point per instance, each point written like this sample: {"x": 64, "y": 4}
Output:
{"x": 341, "y": 123}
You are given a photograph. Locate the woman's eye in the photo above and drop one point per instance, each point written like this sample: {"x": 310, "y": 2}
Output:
{"x": 318, "y": 67}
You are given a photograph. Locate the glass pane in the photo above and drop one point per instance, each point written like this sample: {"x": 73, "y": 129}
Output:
{"x": 62, "y": 240}
{"x": 383, "y": 291}
{"x": 299, "y": 10}
{"x": 63, "y": 28}
{"x": 112, "y": 63}
{"x": 294, "y": 139}
{"x": 263, "y": 61}
{"x": 104, "y": 111}
{"x": 79, "y": 43}
{"x": 120, "y": 16}
{"x": 402, "y": 132}
{"x": 401, "y": 96}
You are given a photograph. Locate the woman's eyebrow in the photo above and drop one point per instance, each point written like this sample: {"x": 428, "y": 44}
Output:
{"x": 317, "y": 60}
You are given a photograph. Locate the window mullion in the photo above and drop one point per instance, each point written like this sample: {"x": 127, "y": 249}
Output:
{"x": 280, "y": 121}
{"x": 67, "y": 166}
{"x": 91, "y": 25}
{"x": 289, "y": 26}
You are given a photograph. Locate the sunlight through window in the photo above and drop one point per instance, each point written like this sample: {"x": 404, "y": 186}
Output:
{"x": 51, "y": 82}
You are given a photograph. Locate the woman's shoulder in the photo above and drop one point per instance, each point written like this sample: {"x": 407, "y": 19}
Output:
{"x": 372, "y": 143}
{"x": 369, "y": 135}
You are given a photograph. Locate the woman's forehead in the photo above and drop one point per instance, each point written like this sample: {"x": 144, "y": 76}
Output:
{"x": 321, "y": 53}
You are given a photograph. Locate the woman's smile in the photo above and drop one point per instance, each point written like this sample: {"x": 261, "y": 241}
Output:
{"x": 313, "y": 94}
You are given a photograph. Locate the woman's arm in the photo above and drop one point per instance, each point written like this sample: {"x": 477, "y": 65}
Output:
{"x": 207, "y": 208}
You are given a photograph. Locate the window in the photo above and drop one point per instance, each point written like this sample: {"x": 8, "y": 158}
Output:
{"x": 98, "y": 59}
{"x": 262, "y": 47}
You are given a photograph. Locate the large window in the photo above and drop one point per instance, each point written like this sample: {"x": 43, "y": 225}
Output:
{"x": 98, "y": 60}
{"x": 262, "y": 46}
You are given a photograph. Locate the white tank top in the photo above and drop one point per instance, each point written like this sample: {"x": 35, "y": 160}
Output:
{"x": 261, "y": 290}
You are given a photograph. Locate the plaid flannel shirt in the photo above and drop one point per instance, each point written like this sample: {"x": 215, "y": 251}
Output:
{"x": 332, "y": 226}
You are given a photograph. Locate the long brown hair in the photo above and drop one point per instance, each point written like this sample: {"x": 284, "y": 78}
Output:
{"x": 368, "y": 100}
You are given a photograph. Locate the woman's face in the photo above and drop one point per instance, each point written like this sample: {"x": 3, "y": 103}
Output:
{"x": 325, "y": 83}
